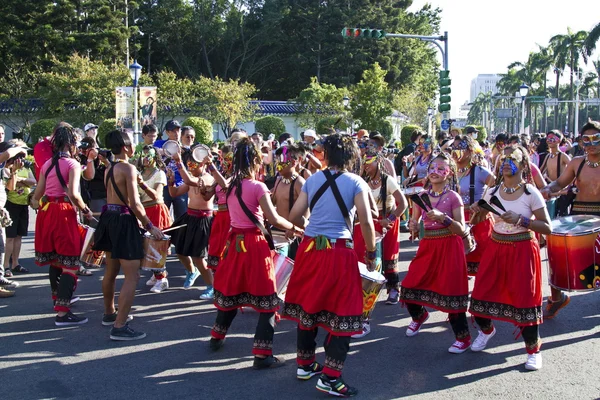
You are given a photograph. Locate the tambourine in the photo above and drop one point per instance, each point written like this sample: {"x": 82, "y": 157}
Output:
{"x": 200, "y": 152}
{"x": 170, "y": 148}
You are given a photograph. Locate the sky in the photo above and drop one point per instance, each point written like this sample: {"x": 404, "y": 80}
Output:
{"x": 485, "y": 36}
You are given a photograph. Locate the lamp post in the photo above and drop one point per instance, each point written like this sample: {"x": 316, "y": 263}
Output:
{"x": 523, "y": 90}
{"x": 135, "y": 70}
{"x": 346, "y": 104}
{"x": 429, "y": 115}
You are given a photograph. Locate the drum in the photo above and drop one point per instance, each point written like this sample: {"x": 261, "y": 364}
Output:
{"x": 379, "y": 250}
{"x": 283, "y": 271}
{"x": 572, "y": 249}
{"x": 282, "y": 244}
{"x": 88, "y": 256}
{"x": 469, "y": 240}
{"x": 200, "y": 152}
{"x": 412, "y": 190}
{"x": 372, "y": 283}
{"x": 155, "y": 253}
{"x": 170, "y": 148}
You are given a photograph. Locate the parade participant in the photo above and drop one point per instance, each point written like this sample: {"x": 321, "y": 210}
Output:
{"x": 417, "y": 173}
{"x": 407, "y": 151}
{"x": 586, "y": 176}
{"x": 509, "y": 281}
{"x": 191, "y": 241}
{"x": 472, "y": 180}
{"x": 57, "y": 237}
{"x": 305, "y": 156}
{"x": 325, "y": 288}
{"x": 499, "y": 144}
{"x": 151, "y": 182}
{"x": 180, "y": 204}
{"x": 437, "y": 276}
{"x": 222, "y": 221}
{"x": 555, "y": 162}
{"x": 377, "y": 143}
{"x": 118, "y": 234}
{"x": 149, "y": 135}
{"x": 246, "y": 275}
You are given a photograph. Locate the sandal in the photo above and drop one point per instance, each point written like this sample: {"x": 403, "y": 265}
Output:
{"x": 84, "y": 272}
{"x": 20, "y": 269}
{"x": 8, "y": 273}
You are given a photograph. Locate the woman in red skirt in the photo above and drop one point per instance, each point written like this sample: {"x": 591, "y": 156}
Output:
{"x": 325, "y": 289}
{"x": 473, "y": 179}
{"x": 437, "y": 276}
{"x": 509, "y": 280}
{"x": 57, "y": 238}
{"x": 151, "y": 181}
{"x": 245, "y": 276}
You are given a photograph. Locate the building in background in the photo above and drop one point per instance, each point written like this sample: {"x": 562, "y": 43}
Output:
{"x": 463, "y": 111}
{"x": 484, "y": 83}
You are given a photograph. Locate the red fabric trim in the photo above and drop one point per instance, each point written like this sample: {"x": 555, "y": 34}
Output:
{"x": 332, "y": 372}
{"x": 262, "y": 352}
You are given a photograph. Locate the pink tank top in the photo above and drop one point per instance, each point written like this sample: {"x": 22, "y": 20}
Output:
{"x": 53, "y": 186}
{"x": 221, "y": 195}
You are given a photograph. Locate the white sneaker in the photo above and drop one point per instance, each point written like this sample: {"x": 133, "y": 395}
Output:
{"x": 459, "y": 347}
{"x": 161, "y": 284}
{"x": 415, "y": 326}
{"x": 534, "y": 361}
{"x": 482, "y": 339}
{"x": 151, "y": 281}
{"x": 365, "y": 331}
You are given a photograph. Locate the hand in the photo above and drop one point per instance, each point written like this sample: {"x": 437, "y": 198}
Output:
{"x": 413, "y": 225}
{"x": 510, "y": 217}
{"x": 17, "y": 165}
{"x": 92, "y": 154}
{"x": 156, "y": 233}
{"x": 89, "y": 214}
{"x": 371, "y": 264}
{"x": 35, "y": 204}
{"x": 103, "y": 160}
{"x": 177, "y": 156}
{"x": 140, "y": 180}
{"x": 436, "y": 215}
{"x": 207, "y": 160}
{"x": 385, "y": 223}
{"x": 170, "y": 176}
{"x": 475, "y": 208}
{"x": 546, "y": 193}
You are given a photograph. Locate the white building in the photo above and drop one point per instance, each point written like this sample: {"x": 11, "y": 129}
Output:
{"x": 463, "y": 111}
{"x": 484, "y": 83}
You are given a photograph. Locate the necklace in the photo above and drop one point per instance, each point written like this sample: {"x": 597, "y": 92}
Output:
{"x": 591, "y": 164}
{"x": 118, "y": 160}
{"x": 290, "y": 180}
{"x": 465, "y": 169}
{"x": 433, "y": 193}
{"x": 551, "y": 155}
{"x": 424, "y": 161}
{"x": 508, "y": 190}
{"x": 374, "y": 182}
{"x": 64, "y": 154}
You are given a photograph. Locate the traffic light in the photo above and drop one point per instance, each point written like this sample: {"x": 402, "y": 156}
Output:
{"x": 445, "y": 91}
{"x": 366, "y": 33}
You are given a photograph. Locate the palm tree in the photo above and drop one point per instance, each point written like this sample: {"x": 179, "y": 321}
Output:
{"x": 569, "y": 48}
{"x": 541, "y": 62}
{"x": 592, "y": 39}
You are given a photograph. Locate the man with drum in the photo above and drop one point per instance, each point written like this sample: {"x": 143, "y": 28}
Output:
{"x": 173, "y": 129}
{"x": 555, "y": 162}
{"x": 584, "y": 170}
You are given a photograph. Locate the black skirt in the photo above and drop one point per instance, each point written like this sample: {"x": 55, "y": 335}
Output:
{"x": 119, "y": 234}
{"x": 192, "y": 240}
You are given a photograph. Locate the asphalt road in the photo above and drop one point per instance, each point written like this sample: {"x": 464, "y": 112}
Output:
{"x": 41, "y": 361}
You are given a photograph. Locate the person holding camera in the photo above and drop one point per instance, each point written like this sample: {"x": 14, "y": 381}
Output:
{"x": 94, "y": 162}
{"x": 18, "y": 179}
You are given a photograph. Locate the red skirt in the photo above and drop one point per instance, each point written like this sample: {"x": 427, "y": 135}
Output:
{"x": 246, "y": 275}
{"x": 159, "y": 216}
{"x": 390, "y": 242}
{"x": 509, "y": 281}
{"x": 57, "y": 236}
{"x": 218, "y": 237}
{"x": 325, "y": 289}
{"x": 437, "y": 276}
{"x": 482, "y": 233}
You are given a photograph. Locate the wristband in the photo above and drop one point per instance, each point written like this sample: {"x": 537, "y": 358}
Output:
{"x": 149, "y": 225}
{"x": 143, "y": 186}
{"x": 524, "y": 222}
{"x": 447, "y": 221}
{"x": 179, "y": 165}
{"x": 392, "y": 218}
{"x": 89, "y": 160}
{"x": 371, "y": 255}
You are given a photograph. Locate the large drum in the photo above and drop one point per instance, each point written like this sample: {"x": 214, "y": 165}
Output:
{"x": 573, "y": 247}
{"x": 372, "y": 283}
{"x": 155, "y": 253}
{"x": 412, "y": 190}
{"x": 282, "y": 244}
{"x": 88, "y": 256}
{"x": 283, "y": 270}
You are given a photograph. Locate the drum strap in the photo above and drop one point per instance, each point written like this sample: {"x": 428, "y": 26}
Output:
{"x": 472, "y": 185}
{"x": 336, "y": 193}
{"x": 253, "y": 219}
{"x": 111, "y": 176}
{"x": 59, "y": 176}
{"x": 291, "y": 200}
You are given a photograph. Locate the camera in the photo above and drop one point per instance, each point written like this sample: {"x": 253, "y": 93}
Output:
{"x": 105, "y": 153}
{"x": 84, "y": 146}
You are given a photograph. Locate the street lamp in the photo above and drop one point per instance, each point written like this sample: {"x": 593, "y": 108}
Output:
{"x": 135, "y": 70}
{"x": 429, "y": 115}
{"x": 346, "y": 103}
{"x": 523, "y": 90}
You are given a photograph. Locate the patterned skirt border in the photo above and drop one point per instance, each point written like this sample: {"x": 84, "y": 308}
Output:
{"x": 505, "y": 312}
{"x": 268, "y": 303}
{"x": 449, "y": 304}
{"x": 334, "y": 324}
{"x": 67, "y": 262}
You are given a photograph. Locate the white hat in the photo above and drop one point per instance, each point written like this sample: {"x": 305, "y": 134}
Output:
{"x": 89, "y": 126}
{"x": 311, "y": 133}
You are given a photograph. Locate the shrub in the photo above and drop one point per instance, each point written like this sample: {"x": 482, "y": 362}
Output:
{"x": 106, "y": 126}
{"x": 387, "y": 130}
{"x": 40, "y": 129}
{"x": 326, "y": 123}
{"x": 270, "y": 125}
{"x": 203, "y": 128}
{"x": 406, "y": 133}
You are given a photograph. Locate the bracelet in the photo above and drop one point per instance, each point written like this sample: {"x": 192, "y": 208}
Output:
{"x": 143, "y": 186}
{"x": 392, "y": 218}
{"x": 149, "y": 225}
{"x": 524, "y": 222}
{"x": 371, "y": 255}
{"x": 89, "y": 160}
{"x": 179, "y": 165}
{"x": 447, "y": 221}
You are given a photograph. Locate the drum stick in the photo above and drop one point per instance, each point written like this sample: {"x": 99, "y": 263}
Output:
{"x": 417, "y": 200}
{"x": 173, "y": 228}
{"x": 425, "y": 198}
{"x": 496, "y": 201}
{"x": 484, "y": 204}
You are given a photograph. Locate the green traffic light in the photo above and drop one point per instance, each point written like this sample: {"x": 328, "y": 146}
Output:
{"x": 444, "y": 107}
{"x": 445, "y": 82}
{"x": 444, "y": 74}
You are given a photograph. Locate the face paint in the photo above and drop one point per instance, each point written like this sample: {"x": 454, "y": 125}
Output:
{"x": 362, "y": 144}
{"x": 439, "y": 169}
{"x": 462, "y": 145}
{"x": 552, "y": 139}
{"x": 591, "y": 140}
{"x": 368, "y": 160}
{"x": 283, "y": 165}
{"x": 192, "y": 165}
{"x": 511, "y": 161}
{"x": 458, "y": 154}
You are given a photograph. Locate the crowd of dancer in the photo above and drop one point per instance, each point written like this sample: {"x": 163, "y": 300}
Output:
{"x": 334, "y": 199}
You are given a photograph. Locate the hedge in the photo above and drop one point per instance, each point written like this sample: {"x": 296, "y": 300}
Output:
{"x": 203, "y": 128}
{"x": 40, "y": 129}
{"x": 270, "y": 125}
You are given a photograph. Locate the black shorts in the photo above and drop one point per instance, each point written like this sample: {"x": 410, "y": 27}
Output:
{"x": 119, "y": 234}
{"x": 20, "y": 218}
{"x": 192, "y": 240}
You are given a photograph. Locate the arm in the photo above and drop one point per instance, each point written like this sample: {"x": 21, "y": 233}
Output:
{"x": 133, "y": 200}
{"x": 90, "y": 169}
{"x": 26, "y": 182}
{"x": 215, "y": 173}
{"x": 179, "y": 190}
{"x": 11, "y": 182}
{"x": 564, "y": 179}
{"x": 300, "y": 212}
{"x": 153, "y": 193}
{"x": 390, "y": 168}
{"x": 540, "y": 224}
{"x": 187, "y": 178}
{"x": 73, "y": 189}
{"x": 366, "y": 224}
{"x": 314, "y": 161}
{"x": 271, "y": 214}
{"x": 372, "y": 206}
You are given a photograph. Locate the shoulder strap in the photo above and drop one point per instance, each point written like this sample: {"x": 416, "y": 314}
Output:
{"x": 111, "y": 176}
{"x": 579, "y": 170}
{"x": 252, "y": 218}
{"x": 321, "y": 191}
{"x": 472, "y": 185}
{"x": 292, "y": 192}
{"x": 383, "y": 193}
{"x": 544, "y": 164}
{"x": 338, "y": 197}
{"x": 59, "y": 176}
{"x": 558, "y": 164}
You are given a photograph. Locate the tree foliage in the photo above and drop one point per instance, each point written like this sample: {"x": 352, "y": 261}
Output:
{"x": 202, "y": 127}
{"x": 269, "y": 124}
{"x": 318, "y": 100}
{"x": 371, "y": 99}
{"x": 40, "y": 129}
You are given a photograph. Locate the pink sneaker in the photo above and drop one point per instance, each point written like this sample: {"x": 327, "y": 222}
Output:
{"x": 415, "y": 326}
{"x": 460, "y": 346}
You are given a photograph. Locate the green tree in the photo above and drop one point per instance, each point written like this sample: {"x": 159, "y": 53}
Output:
{"x": 412, "y": 103}
{"x": 406, "y": 133}
{"x": 175, "y": 96}
{"x": 40, "y": 129}
{"x": 106, "y": 126}
{"x": 19, "y": 87}
{"x": 592, "y": 39}
{"x": 270, "y": 125}
{"x": 317, "y": 100}
{"x": 372, "y": 99}
{"x": 325, "y": 125}
{"x": 203, "y": 128}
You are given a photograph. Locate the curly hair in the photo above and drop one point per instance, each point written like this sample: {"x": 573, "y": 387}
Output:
{"x": 453, "y": 183}
{"x": 340, "y": 151}
{"x": 527, "y": 175}
{"x": 63, "y": 136}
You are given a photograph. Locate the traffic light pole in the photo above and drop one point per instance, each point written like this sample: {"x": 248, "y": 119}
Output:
{"x": 432, "y": 39}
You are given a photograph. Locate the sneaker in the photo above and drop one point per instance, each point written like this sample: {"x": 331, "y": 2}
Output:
{"x": 335, "y": 387}
{"x": 190, "y": 278}
{"x": 415, "y": 326}
{"x": 70, "y": 319}
{"x": 6, "y": 293}
{"x": 482, "y": 339}
{"x": 216, "y": 344}
{"x": 460, "y": 346}
{"x": 126, "y": 333}
{"x": 393, "y": 298}
{"x": 8, "y": 284}
{"x": 109, "y": 320}
{"x": 208, "y": 294}
{"x": 151, "y": 281}
{"x": 534, "y": 361}
{"x": 305, "y": 372}
{"x": 8, "y": 273}
{"x": 161, "y": 285}
{"x": 365, "y": 331}
{"x": 553, "y": 307}
{"x": 268, "y": 362}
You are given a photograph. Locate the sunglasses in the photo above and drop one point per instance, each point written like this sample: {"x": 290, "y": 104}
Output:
{"x": 439, "y": 169}
{"x": 552, "y": 139}
{"x": 591, "y": 140}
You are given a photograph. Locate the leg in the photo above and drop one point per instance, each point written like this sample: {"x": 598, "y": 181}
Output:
{"x": 222, "y": 323}
{"x": 191, "y": 272}
{"x": 263, "y": 337}
{"x": 66, "y": 286}
{"x": 16, "y": 250}
{"x": 416, "y": 311}
{"x": 485, "y": 324}
{"x": 557, "y": 301}
{"x": 202, "y": 266}
{"x": 460, "y": 326}
{"x": 109, "y": 282}
{"x": 131, "y": 270}
{"x": 8, "y": 252}
{"x": 54, "y": 273}
{"x": 486, "y": 332}
{"x": 336, "y": 350}
{"x": 187, "y": 263}
{"x": 306, "y": 346}
{"x": 531, "y": 336}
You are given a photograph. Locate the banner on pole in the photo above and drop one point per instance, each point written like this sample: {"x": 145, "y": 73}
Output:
{"x": 124, "y": 108}
{"x": 147, "y": 105}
